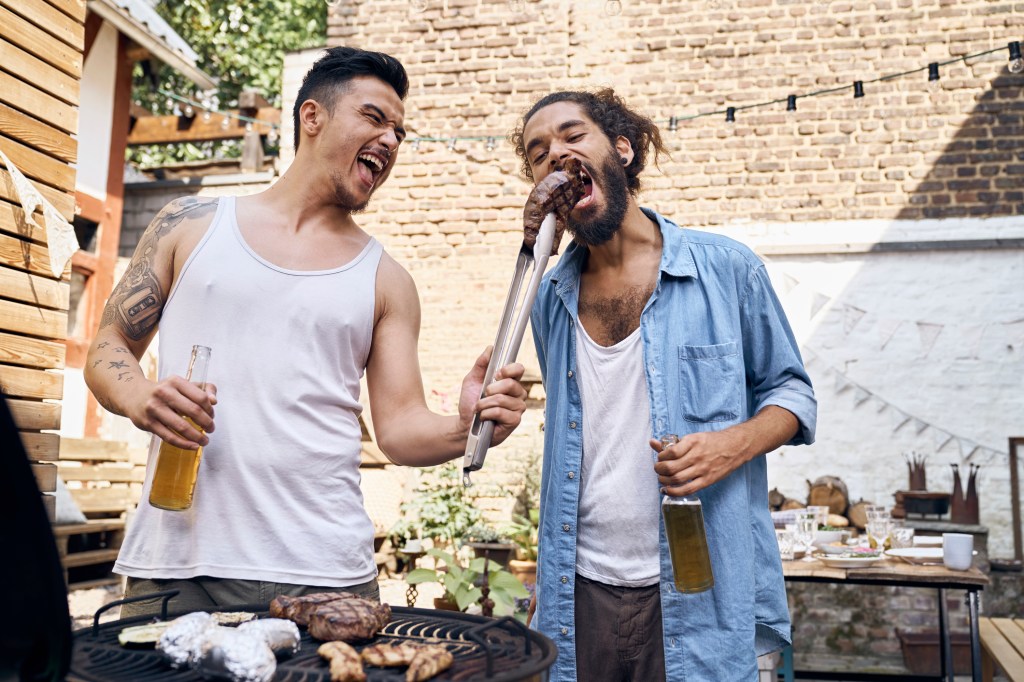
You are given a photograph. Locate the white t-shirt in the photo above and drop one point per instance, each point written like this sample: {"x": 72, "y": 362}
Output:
{"x": 618, "y": 522}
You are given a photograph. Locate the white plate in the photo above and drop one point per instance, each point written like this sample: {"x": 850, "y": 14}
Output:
{"x": 848, "y": 562}
{"x": 834, "y": 549}
{"x": 917, "y": 555}
{"x": 928, "y": 541}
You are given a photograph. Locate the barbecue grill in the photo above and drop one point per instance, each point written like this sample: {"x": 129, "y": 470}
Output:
{"x": 494, "y": 650}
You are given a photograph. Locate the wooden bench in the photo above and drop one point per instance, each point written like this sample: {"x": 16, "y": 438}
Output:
{"x": 105, "y": 480}
{"x": 1002, "y": 647}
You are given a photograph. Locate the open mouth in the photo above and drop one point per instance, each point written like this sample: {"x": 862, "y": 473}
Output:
{"x": 588, "y": 189}
{"x": 371, "y": 166}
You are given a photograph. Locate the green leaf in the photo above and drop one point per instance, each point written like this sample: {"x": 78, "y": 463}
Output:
{"x": 509, "y": 584}
{"x": 421, "y": 575}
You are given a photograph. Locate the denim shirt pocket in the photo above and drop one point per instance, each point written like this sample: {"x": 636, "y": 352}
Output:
{"x": 710, "y": 381}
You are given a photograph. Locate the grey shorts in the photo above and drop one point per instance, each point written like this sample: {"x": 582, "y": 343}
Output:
{"x": 209, "y": 594}
{"x": 618, "y": 633}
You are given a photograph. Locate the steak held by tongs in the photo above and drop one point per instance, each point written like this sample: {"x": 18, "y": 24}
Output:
{"x": 544, "y": 217}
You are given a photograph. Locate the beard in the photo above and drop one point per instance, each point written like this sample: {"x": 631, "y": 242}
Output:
{"x": 596, "y": 230}
{"x": 345, "y": 199}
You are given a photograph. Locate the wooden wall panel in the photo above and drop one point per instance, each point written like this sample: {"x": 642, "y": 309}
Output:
{"x": 41, "y": 43}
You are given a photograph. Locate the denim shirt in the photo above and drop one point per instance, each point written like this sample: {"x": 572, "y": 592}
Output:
{"x": 717, "y": 348}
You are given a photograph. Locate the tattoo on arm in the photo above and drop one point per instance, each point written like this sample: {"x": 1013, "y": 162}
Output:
{"x": 138, "y": 301}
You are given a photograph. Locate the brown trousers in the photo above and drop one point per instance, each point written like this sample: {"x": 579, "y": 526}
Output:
{"x": 618, "y": 633}
{"x": 208, "y": 594}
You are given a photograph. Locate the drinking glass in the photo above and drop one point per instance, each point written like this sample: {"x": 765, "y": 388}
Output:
{"x": 821, "y": 513}
{"x": 786, "y": 544}
{"x": 878, "y": 533}
{"x": 901, "y": 537}
{"x": 806, "y": 527}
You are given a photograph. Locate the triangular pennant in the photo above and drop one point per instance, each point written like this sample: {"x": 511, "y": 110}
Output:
{"x": 967, "y": 448}
{"x": 886, "y": 328}
{"x": 941, "y": 438}
{"x": 851, "y": 316}
{"x": 970, "y": 336}
{"x": 789, "y": 283}
{"x": 881, "y": 404}
{"x": 818, "y": 302}
{"x": 897, "y": 418}
{"x": 919, "y": 426}
{"x": 928, "y": 332}
{"x": 841, "y": 382}
{"x": 860, "y": 395}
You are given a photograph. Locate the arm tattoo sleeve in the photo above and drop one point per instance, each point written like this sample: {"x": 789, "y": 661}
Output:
{"x": 138, "y": 301}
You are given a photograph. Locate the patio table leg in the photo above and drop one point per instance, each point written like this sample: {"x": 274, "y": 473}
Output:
{"x": 947, "y": 648}
{"x": 972, "y": 603}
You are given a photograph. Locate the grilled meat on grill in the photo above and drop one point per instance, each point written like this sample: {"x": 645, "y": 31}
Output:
{"x": 558, "y": 192}
{"x": 390, "y": 654}
{"x": 431, "y": 660}
{"x": 344, "y": 662}
{"x": 299, "y": 609}
{"x": 351, "y": 620}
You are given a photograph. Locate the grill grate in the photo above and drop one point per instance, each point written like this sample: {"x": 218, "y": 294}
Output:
{"x": 516, "y": 653}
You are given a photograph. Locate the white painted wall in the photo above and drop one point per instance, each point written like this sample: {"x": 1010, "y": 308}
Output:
{"x": 920, "y": 351}
{"x": 96, "y": 113}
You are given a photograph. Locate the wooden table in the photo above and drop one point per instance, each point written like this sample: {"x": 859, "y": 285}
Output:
{"x": 891, "y": 572}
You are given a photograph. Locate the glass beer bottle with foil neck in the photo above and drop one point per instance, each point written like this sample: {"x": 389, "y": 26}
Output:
{"x": 174, "y": 480}
{"x": 687, "y": 540}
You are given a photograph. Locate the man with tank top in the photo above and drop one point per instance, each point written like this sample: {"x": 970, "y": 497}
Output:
{"x": 645, "y": 330}
{"x": 296, "y": 301}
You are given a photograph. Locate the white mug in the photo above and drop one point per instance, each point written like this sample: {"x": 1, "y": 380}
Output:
{"x": 957, "y": 550}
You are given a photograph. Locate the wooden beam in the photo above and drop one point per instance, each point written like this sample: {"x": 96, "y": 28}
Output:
{"x": 50, "y": 19}
{"x": 40, "y": 74}
{"x": 41, "y": 292}
{"x": 169, "y": 129}
{"x": 39, "y": 166}
{"x": 33, "y": 321}
{"x": 31, "y": 383}
{"x": 75, "y": 9}
{"x": 38, "y": 134}
{"x": 93, "y": 23}
{"x": 35, "y": 415}
{"x": 26, "y": 351}
{"x": 41, "y": 446}
{"x": 38, "y": 42}
{"x": 21, "y": 254}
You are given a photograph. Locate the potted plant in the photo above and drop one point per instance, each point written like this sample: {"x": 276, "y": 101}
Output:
{"x": 463, "y": 580}
{"x": 523, "y": 533}
{"x": 439, "y": 510}
{"x": 488, "y": 542}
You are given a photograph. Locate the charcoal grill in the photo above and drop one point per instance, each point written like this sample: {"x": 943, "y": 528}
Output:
{"x": 486, "y": 649}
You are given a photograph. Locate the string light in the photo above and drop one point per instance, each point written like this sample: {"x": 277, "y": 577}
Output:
{"x": 791, "y": 103}
{"x": 491, "y": 144}
{"x": 418, "y": 5}
{"x": 858, "y": 89}
{"x": 730, "y": 114}
{"x": 451, "y": 145}
{"x": 933, "y": 72}
{"x": 209, "y": 109}
{"x": 189, "y": 112}
{"x": 1016, "y": 63}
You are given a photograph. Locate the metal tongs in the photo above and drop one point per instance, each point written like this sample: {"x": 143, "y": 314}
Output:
{"x": 509, "y": 338}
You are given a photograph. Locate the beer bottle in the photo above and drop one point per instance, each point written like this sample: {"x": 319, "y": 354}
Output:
{"x": 687, "y": 540}
{"x": 174, "y": 481}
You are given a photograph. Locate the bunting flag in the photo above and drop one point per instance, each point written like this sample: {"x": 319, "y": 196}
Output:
{"x": 969, "y": 336}
{"x": 898, "y": 418}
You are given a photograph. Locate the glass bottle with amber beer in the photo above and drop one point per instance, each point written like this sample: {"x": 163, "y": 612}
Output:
{"x": 174, "y": 481}
{"x": 687, "y": 541}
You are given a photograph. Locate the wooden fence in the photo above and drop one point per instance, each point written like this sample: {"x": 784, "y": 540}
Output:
{"x": 41, "y": 43}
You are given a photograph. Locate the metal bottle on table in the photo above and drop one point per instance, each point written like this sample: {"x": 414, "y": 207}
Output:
{"x": 687, "y": 539}
{"x": 174, "y": 480}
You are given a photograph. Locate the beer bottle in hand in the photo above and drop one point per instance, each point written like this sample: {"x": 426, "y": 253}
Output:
{"x": 174, "y": 481}
{"x": 687, "y": 541}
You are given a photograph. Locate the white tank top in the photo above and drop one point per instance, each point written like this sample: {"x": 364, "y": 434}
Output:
{"x": 278, "y": 496}
{"x": 617, "y": 536}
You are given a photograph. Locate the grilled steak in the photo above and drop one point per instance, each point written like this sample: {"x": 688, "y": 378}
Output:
{"x": 299, "y": 609}
{"x": 557, "y": 192}
{"x": 428, "y": 662}
{"x": 350, "y": 620}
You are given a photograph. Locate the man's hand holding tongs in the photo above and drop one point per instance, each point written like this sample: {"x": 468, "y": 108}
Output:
{"x": 503, "y": 400}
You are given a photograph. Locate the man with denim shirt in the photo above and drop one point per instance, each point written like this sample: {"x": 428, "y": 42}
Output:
{"x": 644, "y": 329}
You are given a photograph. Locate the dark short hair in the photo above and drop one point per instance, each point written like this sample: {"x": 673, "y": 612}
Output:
{"x": 613, "y": 116}
{"x": 328, "y": 77}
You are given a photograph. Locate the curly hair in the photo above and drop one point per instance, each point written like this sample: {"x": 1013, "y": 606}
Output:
{"x": 613, "y": 116}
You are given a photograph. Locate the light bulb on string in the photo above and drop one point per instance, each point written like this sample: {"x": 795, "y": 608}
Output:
{"x": 189, "y": 111}
{"x": 613, "y": 8}
{"x": 451, "y": 145}
{"x": 206, "y": 116}
{"x": 491, "y": 144}
{"x": 169, "y": 104}
{"x": 673, "y": 124}
{"x": 1016, "y": 62}
{"x": 730, "y": 114}
{"x": 418, "y": 5}
{"x": 224, "y": 123}
{"x": 272, "y": 135}
{"x": 791, "y": 103}
{"x": 933, "y": 76}
{"x": 248, "y": 127}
